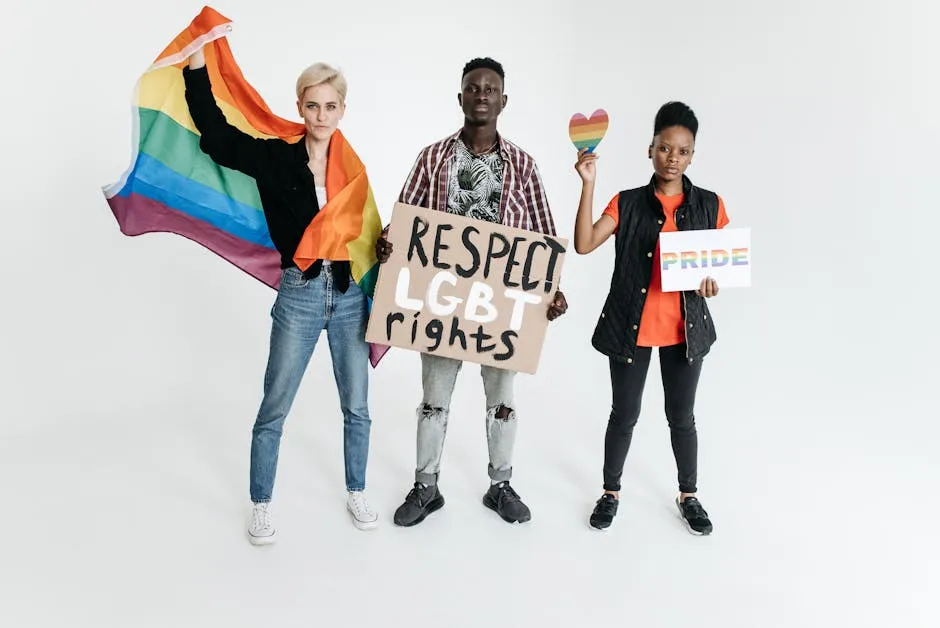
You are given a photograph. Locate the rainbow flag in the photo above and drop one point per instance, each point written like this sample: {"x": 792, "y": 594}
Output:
{"x": 171, "y": 186}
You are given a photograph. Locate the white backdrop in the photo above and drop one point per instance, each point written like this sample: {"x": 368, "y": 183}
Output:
{"x": 132, "y": 367}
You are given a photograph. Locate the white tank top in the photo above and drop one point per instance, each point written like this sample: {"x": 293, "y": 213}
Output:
{"x": 321, "y": 199}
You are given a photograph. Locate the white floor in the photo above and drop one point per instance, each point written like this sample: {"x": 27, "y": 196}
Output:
{"x": 133, "y": 516}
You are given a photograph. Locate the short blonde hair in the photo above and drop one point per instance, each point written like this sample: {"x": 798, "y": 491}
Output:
{"x": 320, "y": 73}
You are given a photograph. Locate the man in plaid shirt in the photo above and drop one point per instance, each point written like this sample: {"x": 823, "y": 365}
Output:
{"x": 479, "y": 174}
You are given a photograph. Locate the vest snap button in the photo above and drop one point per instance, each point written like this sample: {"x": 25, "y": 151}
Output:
{"x": 650, "y": 254}
{"x": 643, "y": 290}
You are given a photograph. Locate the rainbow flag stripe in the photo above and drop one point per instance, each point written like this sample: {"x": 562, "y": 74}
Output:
{"x": 347, "y": 227}
{"x": 588, "y": 132}
{"x": 171, "y": 186}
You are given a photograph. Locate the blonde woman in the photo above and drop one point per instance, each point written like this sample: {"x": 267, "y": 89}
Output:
{"x": 291, "y": 179}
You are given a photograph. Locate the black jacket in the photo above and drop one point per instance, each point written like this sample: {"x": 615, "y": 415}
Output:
{"x": 641, "y": 219}
{"x": 285, "y": 184}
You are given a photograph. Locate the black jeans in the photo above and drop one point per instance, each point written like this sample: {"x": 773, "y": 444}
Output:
{"x": 680, "y": 381}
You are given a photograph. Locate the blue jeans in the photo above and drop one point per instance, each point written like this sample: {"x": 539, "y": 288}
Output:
{"x": 303, "y": 309}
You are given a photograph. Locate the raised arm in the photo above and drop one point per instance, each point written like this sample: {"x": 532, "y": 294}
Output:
{"x": 589, "y": 235}
{"x": 224, "y": 143}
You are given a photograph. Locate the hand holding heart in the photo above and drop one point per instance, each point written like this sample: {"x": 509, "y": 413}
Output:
{"x": 586, "y": 133}
{"x": 585, "y": 166}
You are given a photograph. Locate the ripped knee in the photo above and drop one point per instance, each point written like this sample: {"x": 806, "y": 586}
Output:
{"x": 427, "y": 411}
{"x": 503, "y": 412}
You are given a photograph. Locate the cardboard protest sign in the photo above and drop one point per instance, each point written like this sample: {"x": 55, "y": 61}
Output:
{"x": 687, "y": 257}
{"x": 466, "y": 289}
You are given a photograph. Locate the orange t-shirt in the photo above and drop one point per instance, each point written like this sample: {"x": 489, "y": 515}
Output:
{"x": 661, "y": 324}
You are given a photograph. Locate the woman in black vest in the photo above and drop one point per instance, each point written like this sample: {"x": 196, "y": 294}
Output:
{"x": 638, "y": 315}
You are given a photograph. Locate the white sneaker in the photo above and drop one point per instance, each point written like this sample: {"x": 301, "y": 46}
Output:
{"x": 261, "y": 527}
{"x": 364, "y": 517}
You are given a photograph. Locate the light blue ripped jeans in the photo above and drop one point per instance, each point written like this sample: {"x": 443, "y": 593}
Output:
{"x": 438, "y": 376}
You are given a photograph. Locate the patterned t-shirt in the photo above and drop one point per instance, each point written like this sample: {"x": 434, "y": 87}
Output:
{"x": 476, "y": 184}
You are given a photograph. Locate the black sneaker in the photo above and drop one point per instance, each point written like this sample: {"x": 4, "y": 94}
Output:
{"x": 694, "y": 516}
{"x": 420, "y": 502}
{"x": 604, "y": 511}
{"x": 507, "y": 503}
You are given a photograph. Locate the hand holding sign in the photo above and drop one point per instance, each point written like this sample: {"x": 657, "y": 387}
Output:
{"x": 383, "y": 248}
{"x": 558, "y": 307}
{"x": 708, "y": 288}
{"x": 587, "y": 133}
{"x": 700, "y": 260}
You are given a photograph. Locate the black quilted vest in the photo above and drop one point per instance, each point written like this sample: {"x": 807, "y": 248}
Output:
{"x": 641, "y": 218}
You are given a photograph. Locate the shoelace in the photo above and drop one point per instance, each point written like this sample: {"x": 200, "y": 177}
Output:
{"x": 414, "y": 495}
{"x": 262, "y": 518}
{"x": 607, "y": 505}
{"x": 507, "y": 493}
{"x": 693, "y": 509}
{"x": 360, "y": 505}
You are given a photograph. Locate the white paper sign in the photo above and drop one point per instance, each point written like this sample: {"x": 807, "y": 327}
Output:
{"x": 687, "y": 257}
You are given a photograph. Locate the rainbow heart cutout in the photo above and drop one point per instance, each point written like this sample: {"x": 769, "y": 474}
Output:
{"x": 588, "y": 132}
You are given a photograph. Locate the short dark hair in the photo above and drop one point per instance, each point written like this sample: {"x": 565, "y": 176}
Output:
{"x": 484, "y": 63}
{"x": 675, "y": 113}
